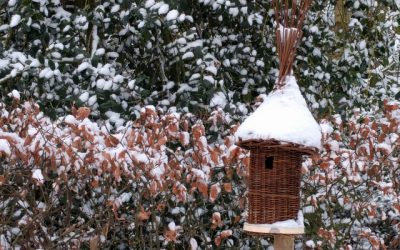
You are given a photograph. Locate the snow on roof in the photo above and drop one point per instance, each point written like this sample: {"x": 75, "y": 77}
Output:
{"x": 283, "y": 116}
{"x": 280, "y": 227}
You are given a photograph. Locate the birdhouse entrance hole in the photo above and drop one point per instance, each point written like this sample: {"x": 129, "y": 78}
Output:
{"x": 269, "y": 162}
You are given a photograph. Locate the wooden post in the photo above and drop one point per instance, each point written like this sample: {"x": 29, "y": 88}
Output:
{"x": 283, "y": 242}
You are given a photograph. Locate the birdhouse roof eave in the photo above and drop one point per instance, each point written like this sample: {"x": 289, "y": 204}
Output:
{"x": 271, "y": 143}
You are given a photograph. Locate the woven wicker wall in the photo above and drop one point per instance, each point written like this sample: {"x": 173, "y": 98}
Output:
{"x": 274, "y": 193}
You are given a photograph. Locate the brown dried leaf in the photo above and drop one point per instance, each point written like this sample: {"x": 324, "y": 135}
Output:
{"x": 82, "y": 113}
{"x": 94, "y": 242}
{"x": 214, "y": 192}
{"x": 228, "y": 187}
{"x": 95, "y": 183}
{"x": 170, "y": 235}
{"x": 161, "y": 141}
{"x": 216, "y": 220}
{"x": 117, "y": 173}
{"x": 214, "y": 155}
{"x": 143, "y": 215}
{"x": 2, "y": 180}
{"x": 203, "y": 188}
{"x": 111, "y": 141}
{"x": 324, "y": 165}
{"x": 153, "y": 188}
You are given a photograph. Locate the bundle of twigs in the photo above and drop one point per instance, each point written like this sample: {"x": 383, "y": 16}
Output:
{"x": 290, "y": 15}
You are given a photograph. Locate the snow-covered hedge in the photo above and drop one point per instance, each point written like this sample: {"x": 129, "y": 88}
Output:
{"x": 70, "y": 180}
{"x": 352, "y": 197}
{"x": 154, "y": 182}
{"x": 157, "y": 182}
{"x": 120, "y": 55}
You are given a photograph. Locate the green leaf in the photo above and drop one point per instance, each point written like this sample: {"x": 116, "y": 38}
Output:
{"x": 248, "y": 98}
{"x": 52, "y": 65}
{"x": 110, "y": 105}
{"x": 397, "y": 96}
{"x": 95, "y": 61}
{"x": 41, "y": 58}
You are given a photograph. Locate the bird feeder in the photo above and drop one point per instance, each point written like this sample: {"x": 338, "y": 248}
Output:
{"x": 279, "y": 134}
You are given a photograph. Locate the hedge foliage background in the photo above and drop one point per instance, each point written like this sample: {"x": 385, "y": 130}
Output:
{"x": 151, "y": 160}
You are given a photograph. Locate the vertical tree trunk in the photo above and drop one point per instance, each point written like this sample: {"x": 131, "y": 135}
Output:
{"x": 342, "y": 16}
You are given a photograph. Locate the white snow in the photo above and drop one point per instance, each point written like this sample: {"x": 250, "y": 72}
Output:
{"x": 81, "y": 22}
{"x": 4, "y": 242}
{"x": 314, "y": 29}
{"x": 212, "y": 69}
{"x": 149, "y": 3}
{"x": 92, "y": 100}
{"x": 70, "y": 119}
{"x": 172, "y": 226}
{"x": 185, "y": 138}
{"x": 317, "y": 52}
{"x": 11, "y": 3}
{"x": 131, "y": 84}
{"x": 181, "y": 17}
{"x": 107, "y": 85}
{"x": 300, "y": 218}
{"x": 112, "y": 54}
{"x": 385, "y": 147}
{"x": 84, "y": 96}
{"x": 15, "y": 94}
{"x": 163, "y": 9}
{"x": 4, "y": 27}
{"x": 362, "y": 45}
{"x": 187, "y": 55}
{"x": 218, "y": 99}
{"x": 158, "y": 172}
{"x": 123, "y": 198}
{"x": 172, "y": 15}
{"x": 289, "y": 223}
{"x": 100, "y": 83}
{"x": 193, "y": 244}
{"x": 310, "y": 244}
{"x": 5, "y": 147}
{"x": 100, "y": 52}
{"x": 37, "y": 175}
{"x": 115, "y": 8}
{"x": 156, "y": 6}
{"x": 283, "y": 116}
{"x": 210, "y": 79}
{"x": 83, "y": 66}
{"x": 95, "y": 40}
{"x": 15, "y": 19}
{"x": 326, "y": 128}
{"x": 234, "y": 11}
{"x": 286, "y": 223}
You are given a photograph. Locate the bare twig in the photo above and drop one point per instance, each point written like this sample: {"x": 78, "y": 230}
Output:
{"x": 289, "y": 21}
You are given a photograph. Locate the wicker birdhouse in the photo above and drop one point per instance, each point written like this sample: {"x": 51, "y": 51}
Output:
{"x": 279, "y": 134}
